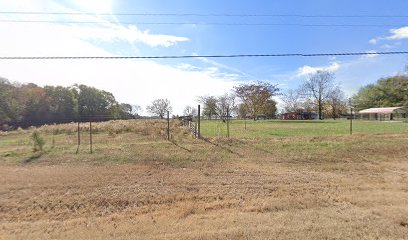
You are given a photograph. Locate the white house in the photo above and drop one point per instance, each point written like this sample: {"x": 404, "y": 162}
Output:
{"x": 384, "y": 114}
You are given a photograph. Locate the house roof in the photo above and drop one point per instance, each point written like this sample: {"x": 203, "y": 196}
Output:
{"x": 385, "y": 110}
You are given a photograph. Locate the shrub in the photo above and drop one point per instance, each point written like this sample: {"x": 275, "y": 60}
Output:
{"x": 38, "y": 141}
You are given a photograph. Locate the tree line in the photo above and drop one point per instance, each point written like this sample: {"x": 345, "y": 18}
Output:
{"x": 24, "y": 105}
{"x": 249, "y": 100}
{"x": 320, "y": 93}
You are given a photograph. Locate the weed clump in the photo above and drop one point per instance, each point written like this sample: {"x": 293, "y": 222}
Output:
{"x": 38, "y": 141}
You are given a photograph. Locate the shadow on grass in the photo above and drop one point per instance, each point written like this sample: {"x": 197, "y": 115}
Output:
{"x": 222, "y": 147}
{"x": 246, "y": 143}
{"x": 177, "y": 145}
{"x": 33, "y": 157}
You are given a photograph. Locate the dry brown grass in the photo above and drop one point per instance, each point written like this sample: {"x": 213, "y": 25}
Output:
{"x": 290, "y": 188}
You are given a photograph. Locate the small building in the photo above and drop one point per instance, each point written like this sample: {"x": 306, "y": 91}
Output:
{"x": 299, "y": 116}
{"x": 384, "y": 114}
{"x": 186, "y": 119}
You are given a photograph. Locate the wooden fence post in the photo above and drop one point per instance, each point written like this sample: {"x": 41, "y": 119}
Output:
{"x": 228, "y": 132}
{"x": 351, "y": 118}
{"x": 90, "y": 135}
{"x": 199, "y": 122}
{"x": 79, "y": 138}
{"x": 195, "y": 130}
{"x": 168, "y": 125}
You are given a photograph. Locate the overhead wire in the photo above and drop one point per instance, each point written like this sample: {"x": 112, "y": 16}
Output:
{"x": 201, "y": 56}
{"x": 200, "y": 14}
{"x": 204, "y": 23}
{"x": 227, "y": 15}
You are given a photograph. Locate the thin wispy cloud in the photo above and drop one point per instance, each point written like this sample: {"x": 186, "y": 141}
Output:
{"x": 306, "y": 70}
{"x": 132, "y": 81}
{"x": 398, "y": 33}
{"x": 131, "y": 34}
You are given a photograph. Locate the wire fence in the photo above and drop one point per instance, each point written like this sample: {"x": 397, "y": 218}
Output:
{"x": 246, "y": 128}
{"x": 91, "y": 136}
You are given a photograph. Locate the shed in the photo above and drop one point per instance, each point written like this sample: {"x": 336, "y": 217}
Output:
{"x": 384, "y": 114}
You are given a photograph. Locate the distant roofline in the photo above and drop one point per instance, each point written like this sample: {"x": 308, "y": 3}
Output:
{"x": 385, "y": 110}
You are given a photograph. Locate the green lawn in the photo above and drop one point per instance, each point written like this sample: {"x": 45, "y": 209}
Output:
{"x": 277, "y": 128}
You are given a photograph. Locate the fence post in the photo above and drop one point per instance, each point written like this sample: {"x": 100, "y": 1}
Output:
{"x": 351, "y": 117}
{"x": 90, "y": 134}
{"x": 228, "y": 132}
{"x": 195, "y": 130}
{"x": 168, "y": 125}
{"x": 199, "y": 122}
{"x": 79, "y": 138}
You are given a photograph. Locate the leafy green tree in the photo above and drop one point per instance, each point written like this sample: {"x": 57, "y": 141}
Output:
{"x": 31, "y": 105}
{"x": 269, "y": 108}
{"x": 209, "y": 106}
{"x": 9, "y": 107}
{"x": 34, "y": 102}
{"x": 62, "y": 103}
{"x": 93, "y": 102}
{"x": 126, "y": 111}
{"x": 386, "y": 92}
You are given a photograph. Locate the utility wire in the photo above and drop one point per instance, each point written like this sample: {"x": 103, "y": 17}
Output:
{"x": 204, "y": 23}
{"x": 201, "y": 14}
{"x": 204, "y": 56}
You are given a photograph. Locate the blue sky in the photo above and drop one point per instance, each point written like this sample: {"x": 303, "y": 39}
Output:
{"x": 182, "y": 80}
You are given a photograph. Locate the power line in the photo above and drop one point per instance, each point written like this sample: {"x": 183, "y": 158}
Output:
{"x": 201, "y": 14}
{"x": 204, "y": 56}
{"x": 204, "y": 23}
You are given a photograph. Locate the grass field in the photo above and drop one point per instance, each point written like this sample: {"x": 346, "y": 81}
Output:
{"x": 275, "y": 128}
{"x": 276, "y": 180}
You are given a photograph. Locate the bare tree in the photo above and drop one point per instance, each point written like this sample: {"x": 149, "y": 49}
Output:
{"x": 136, "y": 109}
{"x": 189, "y": 111}
{"x": 255, "y": 96}
{"x": 225, "y": 106}
{"x": 242, "y": 111}
{"x": 292, "y": 100}
{"x": 308, "y": 105}
{"x": 337, "y": 102}
{"x": 210, "y": 104}
{"x": 319, "y": 86}
{"x": 160, "y": 107}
